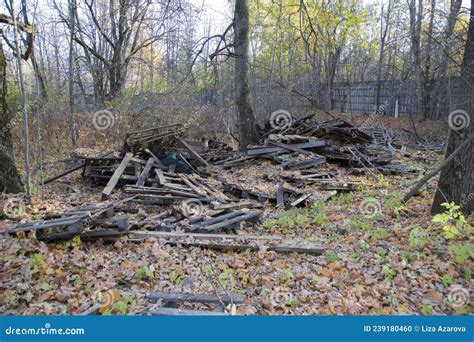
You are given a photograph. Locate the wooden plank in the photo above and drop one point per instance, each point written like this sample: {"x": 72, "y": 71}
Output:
{"x": 138, "y": 169}
{"x": 103, "y": 234}
{"x": 290, "y": 147}
{"x": 146, "y": 170}
{"x": 159, "y": 191}
{"x": 155, "y": 165}
{"x": 295, "y": 164}
{"x": 230, "y": 222}
{"x": 279, "y": 195}
{"x": 216, "y": 220}
{"x": 193, "y": 152}
{"x": 36, "y": 225}
{"x": 215, "y": 205}
{"x": 268, "y": 150}
{"x": 161, "y": 177}
{"x": 195, "y": 188}
{"x": 157, "y": 160}
{"x": 184, "y": 312}
{"x": 232, "y": 242}
{"x": 196, "y": 298}
{"x": 299, "y": 200}
{"x": 64, "y": 173}
{"x": 116, "y": 176}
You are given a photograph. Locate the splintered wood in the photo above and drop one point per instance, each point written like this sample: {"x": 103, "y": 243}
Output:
{"x": 206, "y": 189}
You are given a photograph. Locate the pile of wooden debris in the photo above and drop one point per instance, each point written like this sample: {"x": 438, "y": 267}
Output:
{"x": 158, "y": 169}
{"x": 160, "y": 186}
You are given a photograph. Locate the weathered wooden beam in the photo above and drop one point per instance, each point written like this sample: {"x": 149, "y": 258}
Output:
{"x": 159, "y": 191}
{"x": 161, "y": 177}
{"x": 292, "y": 148}
{"x": 183, "y": 312}
{"x": 64, "y": 173}
{"x": 229, "y": 222}
{"x": 226, "y": 220}
{"x": 234, "y": 206}
{"x": 196, "y": 298}
{"x": 280, "y": 195}
{"x": 232, "y": 242}
{"x": 198, "y": 190}
{"x": 295, "y": 164}
{"x": 277, "y": 149}
{"x": 193, "y": 152}
{"x": 146, "y": 170}
{"x": 116, "y": 176}
{"x": 38, "y": 225}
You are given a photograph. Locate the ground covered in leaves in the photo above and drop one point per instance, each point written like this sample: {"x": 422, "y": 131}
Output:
{"x": 382, "y": 256}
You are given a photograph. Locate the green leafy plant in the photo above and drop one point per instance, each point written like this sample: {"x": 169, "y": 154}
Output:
{"x": 145, "y": 273}
{"x": 452, "y": 220}
{"x": 177, "y": 278}
{"x": 395, "y": 205}
{"x": 379, "y": 234}
{"x": 418, "y": 237}
{"x": 268, "y": 224}
{"x": 355, "y": 223}
{"x": 381, "y": 252}
{"x": 227, "y": 277}
{"x": 301, "y": 220}
{"x": 447, "y": 280}
{"x": 320, "y": 218}
{"x": 286, "y": 276}
{"x": 120, "y": 307}
{"x": 318, "y": 210}
{"x": 36, "y": 260}
{"x": 461, "y": 251}
{"x": 12, "y": 301}
{"x": 356, "y": 256}
{"x": 409, "y": 257}
{"x": 426, "y": 310}
{"x": 343, "y": 199}
{"x": 46, "y": 287}
{"x": 332, "y": 257}
{"x": 292, "y": 301}
{"x": 388, "y": 273}
{"x": 363, "y": 245}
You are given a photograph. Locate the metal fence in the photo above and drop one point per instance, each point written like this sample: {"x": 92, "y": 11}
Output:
{"x": 395, "y": 98}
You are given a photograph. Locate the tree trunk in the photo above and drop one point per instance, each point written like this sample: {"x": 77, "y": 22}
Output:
{"x": 383, "y": 37}
{"x": 72, "y": 118}
{"x": 416, "y": 16}
{"x": 10, "y": 180}
{"x": 439, "y": 90}
{"x": 456, "y": 183}
{"x": 246, "y": 116}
